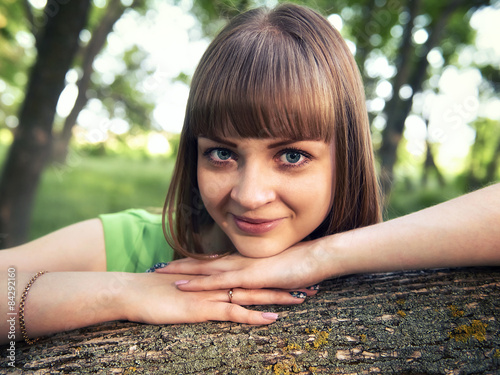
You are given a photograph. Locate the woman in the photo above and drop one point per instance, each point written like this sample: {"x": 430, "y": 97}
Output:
{"x": 275, "y": 165}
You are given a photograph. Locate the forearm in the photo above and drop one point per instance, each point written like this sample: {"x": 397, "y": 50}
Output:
{"x": 61, "y": 301}
{"x": 461, "y": 232}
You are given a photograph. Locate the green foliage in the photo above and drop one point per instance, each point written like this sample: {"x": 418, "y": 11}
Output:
{"x": 15, "y": 57}
{"x": 123, "y": 99}
{"x": 484, "y": 157}
{"x": 406, "y": 199}
{"x": 214, "y": 14}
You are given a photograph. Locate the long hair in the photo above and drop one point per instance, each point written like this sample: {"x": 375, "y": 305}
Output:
{"x": 284, "y": 73}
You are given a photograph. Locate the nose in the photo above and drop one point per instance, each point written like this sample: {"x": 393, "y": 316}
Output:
{"x": 254, "y": 187}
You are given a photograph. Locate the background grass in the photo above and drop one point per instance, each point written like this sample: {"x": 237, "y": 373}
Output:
{"x": 93, "y": 185}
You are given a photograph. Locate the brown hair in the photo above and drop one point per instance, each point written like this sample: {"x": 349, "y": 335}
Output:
{"x": 283, "y": 73}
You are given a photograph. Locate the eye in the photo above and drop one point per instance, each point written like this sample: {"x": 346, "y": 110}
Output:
{"x": 294, "y": 158}
{"x": 219, "y": 155}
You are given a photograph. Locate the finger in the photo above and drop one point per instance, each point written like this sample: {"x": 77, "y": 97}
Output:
{"x": 307, "y": 292}
{"x": 247, "y": 297}
{"x": 191, "y": 266}
{"x": 224, "y": 280}
{"x": 235, "y": 313}
{"x": 310, "y": 291}
{"x": 196, "y": 267}
{"x": 234, "y": 279}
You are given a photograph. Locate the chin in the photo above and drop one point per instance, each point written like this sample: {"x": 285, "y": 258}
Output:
{"x": 259, "y": 248}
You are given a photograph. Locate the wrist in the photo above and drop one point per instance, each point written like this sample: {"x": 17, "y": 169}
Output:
{"x": 329, "y": 255}
{"x": 122, "y": 294}
{"x": 62, "y": 301}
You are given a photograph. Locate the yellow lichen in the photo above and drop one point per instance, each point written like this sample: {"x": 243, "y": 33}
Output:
{"x": 320, "y": 338}
{"x": 497, "y": 353}
{"x": 312, "y": 370}
{"x": 401, "y": 313}
{"x": 400, "y": 301}
{"x": 286, "y": 367}
{"x": 455, "y": 312}
{"x": 363, "y": 338}
{"x": 293, "y": 346}
{"x": 464, "y": 332}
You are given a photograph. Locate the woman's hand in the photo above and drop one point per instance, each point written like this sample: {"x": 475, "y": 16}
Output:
{"x": 296, "y": 268}
{"x": 63, "y": 301}
{"x": 154, "y": 298}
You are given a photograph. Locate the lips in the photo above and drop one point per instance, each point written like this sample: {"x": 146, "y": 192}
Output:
{"x": 255, "y": 226}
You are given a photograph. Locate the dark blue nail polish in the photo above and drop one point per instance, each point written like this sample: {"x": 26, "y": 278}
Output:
{"x": 298, "y": 295}
{"x": 156, "y": 266}
{"x": 313, "y": 287}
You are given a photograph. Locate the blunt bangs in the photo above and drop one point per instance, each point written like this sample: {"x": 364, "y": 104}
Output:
{"x": 263, "y": 82}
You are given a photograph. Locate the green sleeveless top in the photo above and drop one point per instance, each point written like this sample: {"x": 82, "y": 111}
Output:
{"x": 134, "y": 241}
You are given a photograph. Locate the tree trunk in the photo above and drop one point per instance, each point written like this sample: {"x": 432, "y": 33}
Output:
{"x": 416, "y": 322}
{"x": 413, "y": 73}
{"x": 113, "y": 13}
{"x": 32, "y": 141}
{"x": 430, "y": 164}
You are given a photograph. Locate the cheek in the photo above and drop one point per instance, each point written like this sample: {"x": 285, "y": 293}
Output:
{"x": 315, "y": 198}
{"x": 214, "y": 187}
{"x": 322, "y": 198}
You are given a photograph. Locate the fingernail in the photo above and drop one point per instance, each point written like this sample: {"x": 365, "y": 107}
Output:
{"x": 157, "y": 266}
{"x": 298, "y": 295}
{"x": 270, "y": 316}
{"x": 313, "y": 287}
{"x": 181, "y": 282}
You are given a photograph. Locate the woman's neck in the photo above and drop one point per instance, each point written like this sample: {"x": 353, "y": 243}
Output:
{"x": 215, "y": 241}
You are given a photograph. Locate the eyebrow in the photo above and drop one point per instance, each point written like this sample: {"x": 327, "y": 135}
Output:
{"x": 220, "y": 140}
{"x": 270, "y": 146}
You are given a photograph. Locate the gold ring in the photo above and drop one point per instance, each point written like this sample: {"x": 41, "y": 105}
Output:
{"x": 230, "y": 295}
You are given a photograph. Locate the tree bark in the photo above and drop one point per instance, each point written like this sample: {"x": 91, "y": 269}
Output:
{"x": 33, "y": 137}
{"x": 416, "y": 322}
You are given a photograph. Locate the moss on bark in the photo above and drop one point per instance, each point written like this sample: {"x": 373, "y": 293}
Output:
{"x": 432, "y": 322}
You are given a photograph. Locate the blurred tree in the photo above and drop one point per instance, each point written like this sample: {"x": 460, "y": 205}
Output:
{"x": 16, "y": 42}
{"x": 23, "y": 20}
{"x": 30, "y": 149}
{"x": 443, "y": 30}
{"x": 86, "y": 56}
{"x": 403, "y": 32}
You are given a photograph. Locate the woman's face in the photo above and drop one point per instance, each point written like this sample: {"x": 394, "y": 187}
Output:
{"x": 265, "y": 194}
